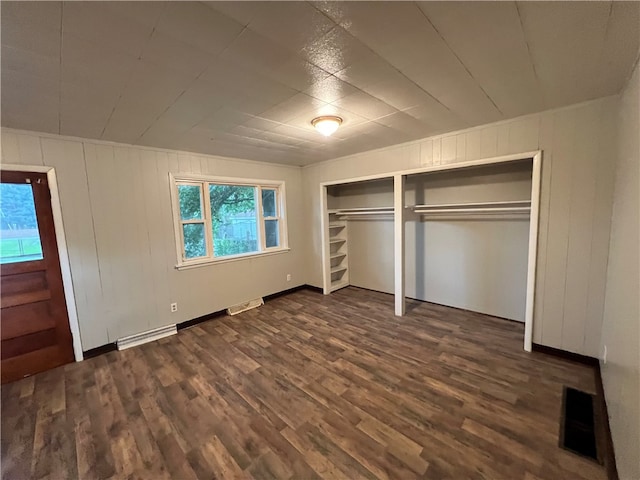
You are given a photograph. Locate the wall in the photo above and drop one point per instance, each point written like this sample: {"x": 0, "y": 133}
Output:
{"x": 620, "y": 329}
{"x": 578, "y": 144}
{"x": 118, "y": 222}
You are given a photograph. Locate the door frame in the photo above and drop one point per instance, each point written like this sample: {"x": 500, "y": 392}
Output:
{"x": 63, "y": 254}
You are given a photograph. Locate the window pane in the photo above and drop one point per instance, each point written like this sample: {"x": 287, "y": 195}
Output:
{"x": 269, "y": 203}
{"x": 234, "y": 219}
{"x": 19, "y": 236}
{"x": 190, "y": 202}
{"x": 271, "y": 233}
{"x": 194, "y": 244}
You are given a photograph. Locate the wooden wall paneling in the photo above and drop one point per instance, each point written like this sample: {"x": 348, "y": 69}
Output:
{"x": 461, "y": 148}
{"x": 582, "y": 203}
{"x": 170, "y": 164}
{"x": 204, "y": 165}
{"x": 68, "y": 160}
{"x": 123, "y": 308}
{"x": 474, "y": 145}
{"x": 601, "y": 224}
{"x": 196, "y": 166}
{"x": 502, "y": 140}
{"x": 155, "y": 237}
{"x": 524, "y": 134}
{"x": 99, "y": 165}
{"x": 448, "y": 144}
{"x": 30, "y": 150}
{"x": 161, "y": 226}
{"x": 140, "y": 231}
{"x": 545, "y": 140}
{"x": 10, "y": 150}
{"x": 437, "y": 151}
{"x": 184, "y": 163}
{"x": 426, "y": 153}
{"x": 559, "y": 213}
{"x": 489, "y": 142}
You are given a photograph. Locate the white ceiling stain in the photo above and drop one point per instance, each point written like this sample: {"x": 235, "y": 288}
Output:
{"x": 245, "y": 79}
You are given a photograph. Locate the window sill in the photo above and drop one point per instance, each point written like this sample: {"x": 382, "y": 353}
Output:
{"x": 235, "y": 258}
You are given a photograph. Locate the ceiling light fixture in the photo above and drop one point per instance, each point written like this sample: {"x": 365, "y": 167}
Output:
{"x": 327, "y": 124}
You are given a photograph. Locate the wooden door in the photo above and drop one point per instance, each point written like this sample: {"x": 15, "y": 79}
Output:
{"x": 34, "y": 325}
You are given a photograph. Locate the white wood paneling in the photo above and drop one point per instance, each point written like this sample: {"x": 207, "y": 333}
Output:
{"x": 575, "y": 205}
{"x": 620, "y": 328}
{"x": 116, "y": 210}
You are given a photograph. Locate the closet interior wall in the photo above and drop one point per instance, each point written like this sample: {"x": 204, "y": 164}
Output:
{"x": 369, "y": 244}
{"x": 474, "y": 260}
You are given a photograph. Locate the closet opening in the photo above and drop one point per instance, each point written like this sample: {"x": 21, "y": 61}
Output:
{"x": 463, "y": 236}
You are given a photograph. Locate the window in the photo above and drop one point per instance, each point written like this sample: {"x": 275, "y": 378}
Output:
{"x": 218, "y": 219}
{"x": 19, "y": 236}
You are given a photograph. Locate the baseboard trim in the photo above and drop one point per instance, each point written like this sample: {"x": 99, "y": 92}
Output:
{"x": 313, "y": 288}
{"x": 601, "y": 401}
{"x": 110, "y": 347}
{"x": 94, "y": 352}
{"x": 284, "y": 292}
{"x": 573, "y": 357}
{"x": 204, "y": 318}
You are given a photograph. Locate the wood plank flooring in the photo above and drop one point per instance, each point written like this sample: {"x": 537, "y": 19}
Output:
{"x": 305, "y": 387}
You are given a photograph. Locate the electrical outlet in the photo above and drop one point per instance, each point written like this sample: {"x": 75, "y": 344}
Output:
{"x": 288, "y": 277}
{"x": 604, "y": 355}
{"x": 174, "y": 307}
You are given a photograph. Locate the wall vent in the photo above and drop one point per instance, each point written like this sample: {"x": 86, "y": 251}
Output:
{"x": 243, "y": 307}
{"x": 145, "y": 337}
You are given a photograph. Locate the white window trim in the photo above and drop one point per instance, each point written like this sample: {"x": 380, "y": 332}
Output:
{"x": 278, "y": 185}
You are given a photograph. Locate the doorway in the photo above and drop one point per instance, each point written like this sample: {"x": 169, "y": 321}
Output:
{"x": 34, "y": 322}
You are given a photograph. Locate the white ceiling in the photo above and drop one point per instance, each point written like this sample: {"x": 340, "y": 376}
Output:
{"x": 244, "y": 79}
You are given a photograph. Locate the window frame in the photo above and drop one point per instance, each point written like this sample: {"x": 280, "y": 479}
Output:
{"x": 203, "y": 182}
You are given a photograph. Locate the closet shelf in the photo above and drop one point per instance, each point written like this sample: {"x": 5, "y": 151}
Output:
{"x": 338, "y": 269}
{"x": 336, "y": 225}
{"x": 338, "y": 285}
{"x": 508, "y": 207}
{"x": 337, "y": 240}
{"x": 352, "y": 212}
{"x": 337, "y": 255}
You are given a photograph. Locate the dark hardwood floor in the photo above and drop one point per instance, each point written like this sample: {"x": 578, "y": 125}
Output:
{"x": 305, "y": 387}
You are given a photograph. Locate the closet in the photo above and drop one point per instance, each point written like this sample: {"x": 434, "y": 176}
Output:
{"x": 360, "y": 225}
{"x": 467, "y": 238}
{"x": 462, "y": 235}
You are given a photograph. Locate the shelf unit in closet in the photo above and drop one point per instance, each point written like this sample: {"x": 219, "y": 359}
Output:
{"x": 338, "y": 239}
{"x": 338, "y": 251}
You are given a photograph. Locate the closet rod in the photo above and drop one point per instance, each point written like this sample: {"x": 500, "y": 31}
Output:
{"x": 502, "y": 210}
{"x": 504, "y": 203}
{"x": 340, "y": 211}
{"x": 357, "y": 214}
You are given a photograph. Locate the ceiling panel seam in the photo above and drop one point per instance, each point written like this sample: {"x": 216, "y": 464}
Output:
{"x": 125, "y": 84}
{"x": 533, "y": 65}
{"x": 459, "y": 59}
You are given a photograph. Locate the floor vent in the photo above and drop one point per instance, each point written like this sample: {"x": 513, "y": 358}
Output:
{"x": 243, "y": 307}
{"x": 578, "y": 424}
{"x": 145, "y": 337}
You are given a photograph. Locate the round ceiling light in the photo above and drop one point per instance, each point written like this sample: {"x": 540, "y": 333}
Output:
{"x": 327, "y": 124}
